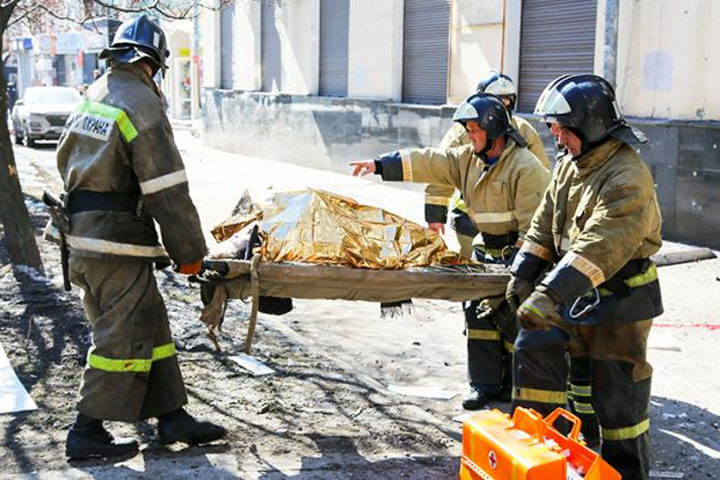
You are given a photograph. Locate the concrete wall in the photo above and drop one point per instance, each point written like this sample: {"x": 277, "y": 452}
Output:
{"x": 668, "y": 63}
{"x": 476, "y": 44}
{"x": 375, "y": 49}
{"x": 320, "y": 132}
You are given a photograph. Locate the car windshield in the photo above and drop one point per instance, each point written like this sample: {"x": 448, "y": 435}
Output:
{"x": 41, "y": 95}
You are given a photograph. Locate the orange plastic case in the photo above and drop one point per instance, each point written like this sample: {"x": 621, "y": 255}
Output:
{"x": 527, "y": 447}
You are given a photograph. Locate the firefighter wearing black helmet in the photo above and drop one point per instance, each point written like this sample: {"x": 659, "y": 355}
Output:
{"x": 595, "y": 230}
{"x": 502, "y": 184}
{"x": 122, "y": 173}
{"x": 442, "y": 199}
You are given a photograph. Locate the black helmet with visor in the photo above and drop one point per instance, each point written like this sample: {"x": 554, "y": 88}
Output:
{"x": 139, "y": 38}
{"x": 489, "y": 112}
{"x": 586, "y": 104}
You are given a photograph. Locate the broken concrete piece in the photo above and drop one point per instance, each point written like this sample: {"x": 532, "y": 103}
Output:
{"x": 424, "y": 392}
{"x": 251, "y": 364}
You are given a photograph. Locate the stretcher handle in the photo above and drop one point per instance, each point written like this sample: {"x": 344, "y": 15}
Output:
{"x": 561, "y": 412}
{"x": 216, "y": 266}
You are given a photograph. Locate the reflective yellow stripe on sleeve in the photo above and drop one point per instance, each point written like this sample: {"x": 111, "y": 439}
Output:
{"x": 537, "y": 250}
{"x": 584, "y": 266}
{"x": 477, "y": 334}
{"x": 541, "y": 396}
{"x": 510, "y": 347}
{"x": 435, "y": 200}
{"x": 627, "y": 433}
{"x": 131, "y": 364}
{"x": 406, "y": 166}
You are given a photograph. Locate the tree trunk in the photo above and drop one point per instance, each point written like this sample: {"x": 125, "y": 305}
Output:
{"x": 19, "y": 235}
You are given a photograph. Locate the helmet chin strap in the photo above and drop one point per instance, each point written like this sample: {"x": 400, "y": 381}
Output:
{"x": 483, "y": 153}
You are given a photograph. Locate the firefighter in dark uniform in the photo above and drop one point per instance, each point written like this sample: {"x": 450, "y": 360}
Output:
{"x": 502, "y": 184}
{"x": 121, "y": 172}
{"x": 441, "y": 199}
{"x": 595, "y": 230}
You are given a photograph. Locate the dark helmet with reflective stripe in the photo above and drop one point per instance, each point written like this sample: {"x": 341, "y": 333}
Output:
{"x": 499, "y": 84}
{"x": 490, "y": 114}
{"x": 139, "y": 38}
{"x": 586, "y": 104}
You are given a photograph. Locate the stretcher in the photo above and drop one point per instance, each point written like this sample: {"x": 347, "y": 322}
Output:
{"x": 528, "y": 447}
{"x": 251, "y": 279}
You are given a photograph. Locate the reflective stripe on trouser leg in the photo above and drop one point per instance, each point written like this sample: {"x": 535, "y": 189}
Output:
{"x": 581, "y": 396}
{"x": 622, "y": 407}
{"x": 540, "y": 370}
{"x": 132, "y": 371}
{"x": 484, "y": 346}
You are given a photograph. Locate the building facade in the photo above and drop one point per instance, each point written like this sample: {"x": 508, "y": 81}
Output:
{"x": 324, "y": 82}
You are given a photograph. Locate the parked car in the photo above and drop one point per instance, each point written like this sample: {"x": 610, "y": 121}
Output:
{"x": 41, "y": 113}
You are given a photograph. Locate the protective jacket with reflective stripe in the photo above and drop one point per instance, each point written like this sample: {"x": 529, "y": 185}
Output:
{"x": 119, "y": 140}
{"x": 501, "y": 198}
{"x": 439, "y": 198}
{"x": 598, "y": 223}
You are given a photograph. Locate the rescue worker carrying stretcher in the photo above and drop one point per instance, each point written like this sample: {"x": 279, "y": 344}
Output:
{"x": 595, "y": 229}
{"x": 439, "y": 199}
{"x": 122, "y": 171}
{"x": 502, "y": 183}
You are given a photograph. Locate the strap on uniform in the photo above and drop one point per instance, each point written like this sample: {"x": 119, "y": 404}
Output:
{"x": 619, "y": 284}
{"x": 86, "y": 200}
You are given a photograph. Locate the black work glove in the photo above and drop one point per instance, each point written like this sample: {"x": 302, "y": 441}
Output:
{"x": 517, "y": 291}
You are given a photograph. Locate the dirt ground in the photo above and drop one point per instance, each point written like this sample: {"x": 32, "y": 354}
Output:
{"x": 313, "y": 415}
{"x": 327, "y": 412}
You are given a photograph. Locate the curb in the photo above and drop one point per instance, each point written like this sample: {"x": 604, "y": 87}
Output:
{"x": 675, "y": 257}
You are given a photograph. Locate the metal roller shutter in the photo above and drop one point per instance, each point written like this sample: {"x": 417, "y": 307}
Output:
{"x": 425, "y": 51}
{"x": 270, "y": 47}
{"x": 334, "y": 24}
{"x": 227, "y": 37}
{"x": 557, "y": 37}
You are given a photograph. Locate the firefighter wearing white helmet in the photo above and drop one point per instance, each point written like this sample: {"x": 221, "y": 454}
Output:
{"x": 595, "y": 230}
{"x": 502, "y": 183}
{"x": 441, "y": 200}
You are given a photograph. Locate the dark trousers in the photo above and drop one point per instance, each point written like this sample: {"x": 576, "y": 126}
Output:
{"x": 620, "y": 383}
{"x": 491, "y": 329}
{"x": 132, "y": 371}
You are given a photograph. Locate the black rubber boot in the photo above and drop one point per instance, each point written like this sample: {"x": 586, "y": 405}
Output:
{"x": 88, "y": 438}
{"x": 180, "y": 426}
{"x": 477, "y": 399}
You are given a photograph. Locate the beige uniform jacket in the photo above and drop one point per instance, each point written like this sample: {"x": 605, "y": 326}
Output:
{"x": 501, "y": 198}
{"x": 119, "y": 141}
{"x": 598, "y": 223}
{"x": 439, "y": 198}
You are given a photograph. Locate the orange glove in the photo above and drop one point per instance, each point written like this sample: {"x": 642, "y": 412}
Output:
{"x": 190, "y": 268}
{"x": 437, "y": 227}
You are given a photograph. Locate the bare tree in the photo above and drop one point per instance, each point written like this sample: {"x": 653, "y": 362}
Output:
{"x": 45, "y": 15}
